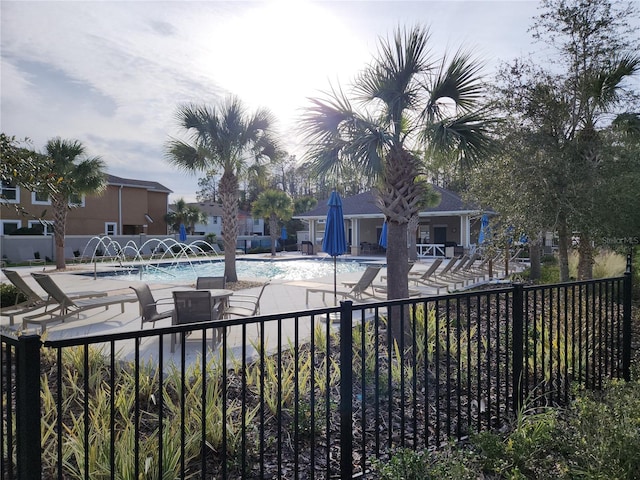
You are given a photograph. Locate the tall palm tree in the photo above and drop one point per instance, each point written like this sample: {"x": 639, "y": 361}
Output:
{"x": 75, "y": 175}
{"x": 274, "y": 206}
{"x": 410, "y": 105}
{"x": 224, "y": 138}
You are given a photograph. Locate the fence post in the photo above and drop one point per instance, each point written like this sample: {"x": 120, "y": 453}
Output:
{"x": 28, "y": 416}
{"x": 626, "y": 320}
{"x": 346, "y": 390}
{"x": 517, "y": 345}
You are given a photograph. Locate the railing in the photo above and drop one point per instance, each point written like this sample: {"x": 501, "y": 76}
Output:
{"x": 346, "y": 386}
{"x": 430, "y": 249}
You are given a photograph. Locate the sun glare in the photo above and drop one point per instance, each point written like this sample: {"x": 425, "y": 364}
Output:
{"x": 277, "y": 54}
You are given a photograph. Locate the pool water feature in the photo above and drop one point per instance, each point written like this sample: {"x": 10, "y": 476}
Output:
{"x": 246, "y": 269}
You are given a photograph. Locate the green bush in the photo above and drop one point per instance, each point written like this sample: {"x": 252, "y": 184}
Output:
{"x": 597, "y": 437}
{"x": 447, "y": 464}
{"x": 8, "y": 294}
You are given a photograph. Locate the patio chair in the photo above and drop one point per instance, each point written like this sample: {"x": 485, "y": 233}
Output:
{"x": 34, "y": 301}
{"x": 195, "y": 306}
{"x": 209, "y": 283}
{"x": 358, "y": 290}
{"x": 66, "y": 306}
{"x": 27, "y": 255}
{"x": 244, "y": 305}
{"x": 149, "y": 306}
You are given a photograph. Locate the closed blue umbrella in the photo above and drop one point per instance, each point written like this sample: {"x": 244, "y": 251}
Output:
{"x": 383, "y": 236}
{"x": 283, "y": 237}
{"x": 334, "y": 242}
{"x": 182, "y": 236}
{"x": 484, "y": 229}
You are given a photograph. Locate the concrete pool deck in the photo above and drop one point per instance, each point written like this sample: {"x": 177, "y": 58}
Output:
{"x": 280, "y": 296}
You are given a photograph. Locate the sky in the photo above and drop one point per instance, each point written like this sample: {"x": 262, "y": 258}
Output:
{"x": 113, "y": 73}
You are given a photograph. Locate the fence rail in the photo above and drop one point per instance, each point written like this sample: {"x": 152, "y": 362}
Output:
{"x": 350, "y": 385}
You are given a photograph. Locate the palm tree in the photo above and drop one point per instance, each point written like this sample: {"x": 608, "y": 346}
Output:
{"x": 194, "y": 216}
{"x": 273, "y": 205}
{"x": 185, "y": 214}
{"x": 177, "y": 215}
{"x": 75, "y": 175}
{"x": 411, "y": 106}
{"x": 223, "y": 138}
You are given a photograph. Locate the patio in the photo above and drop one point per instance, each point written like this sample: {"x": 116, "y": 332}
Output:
{"x": 281, "y": 296}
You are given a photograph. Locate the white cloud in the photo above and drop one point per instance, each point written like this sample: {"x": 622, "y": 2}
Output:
{"x": 111, "y": 74}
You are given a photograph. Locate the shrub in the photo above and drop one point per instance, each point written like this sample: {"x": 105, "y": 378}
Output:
{"x": 448, "y": 464}
{"x": 10, "y": 295}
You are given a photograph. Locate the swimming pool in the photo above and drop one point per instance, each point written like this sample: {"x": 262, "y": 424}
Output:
{"x": 246, "y": 269}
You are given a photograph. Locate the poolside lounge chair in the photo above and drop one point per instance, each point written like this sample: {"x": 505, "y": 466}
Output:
{"x": 149, "y": 306}
{"x": 358, "y": 291}
{"x": 66, "y": 306}
{"x": 455, "y": 275}
{"x": 427, "y": 277}
{"x": 34, "y": 301}
{"x": 195, "y": 306}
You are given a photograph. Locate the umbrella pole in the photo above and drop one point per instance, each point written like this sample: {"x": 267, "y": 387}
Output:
{"x": 335, "y": 284}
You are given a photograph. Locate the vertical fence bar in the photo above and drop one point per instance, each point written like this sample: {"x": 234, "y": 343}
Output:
{"x": 346, "y": 390}
{"x": 626, "y": 323}
{"x": 517, "y": 347}
{"x": 28, "y": 445}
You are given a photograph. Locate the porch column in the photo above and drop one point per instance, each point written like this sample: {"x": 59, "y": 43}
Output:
{"x": 355, "y": 236}
{"x": 465, "y": 231}
{"x": 312, "y": 233}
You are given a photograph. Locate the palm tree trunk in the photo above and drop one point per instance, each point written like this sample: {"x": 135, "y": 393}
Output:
{"x": 273, "y": 227}
{"x": 534, "y": 257}
{"x": 229, "y": 197}
{"x": 60, "y": 208}
{"x": 563, "y": 247}
{"x": 585, "y": 260}
{"x": 412, "y": 228}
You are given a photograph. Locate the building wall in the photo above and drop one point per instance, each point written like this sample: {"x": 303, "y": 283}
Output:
{"x": 90, "y": 218}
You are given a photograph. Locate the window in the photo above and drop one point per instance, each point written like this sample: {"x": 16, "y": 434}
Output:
{"x": 110, "y": 228}
{"x": 10, "y": 192}
{"x": 38, "y": 198}
{"x": 10, "y": 226}
{"x": 47, "y": 226}
{"x": 256, "y": 221}
{"x": 76, "y": 200}
{"x": 215, "y": 220}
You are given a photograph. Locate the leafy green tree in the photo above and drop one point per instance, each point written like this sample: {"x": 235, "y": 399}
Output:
{"x": 208, "y": 186}
{"x": 558, "y": 116}
{"x": 274, "y": 206}
{"x": 75, "y": 175}
{"x": 24, "y": 167}
{"x": 224, "y": 138}
{"x": 409, "y": 106}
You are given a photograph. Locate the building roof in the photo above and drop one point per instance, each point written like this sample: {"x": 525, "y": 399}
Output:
{"x": 210, "y": 209}
{"x": 129, "y": 182}
{"x": 364, "y": 205}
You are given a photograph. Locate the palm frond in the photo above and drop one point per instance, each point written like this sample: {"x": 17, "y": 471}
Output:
{"x": 185, "y": 156}
{"x": 605, "y": 88}
{"x": 468, "y": 134}
{"x": 459, "y": 81}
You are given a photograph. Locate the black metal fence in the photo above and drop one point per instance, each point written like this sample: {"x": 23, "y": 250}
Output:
{"x": 342, "y": 386}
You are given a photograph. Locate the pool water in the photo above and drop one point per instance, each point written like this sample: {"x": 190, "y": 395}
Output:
{"x": 246, "y": 269}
